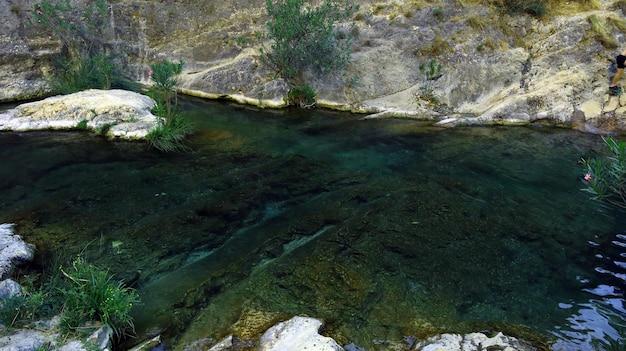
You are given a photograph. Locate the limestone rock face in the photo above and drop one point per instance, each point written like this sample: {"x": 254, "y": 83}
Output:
{"x": 297, "y": 334}
{"x": 520, "y": 72}
{"x": 127, "y": 113}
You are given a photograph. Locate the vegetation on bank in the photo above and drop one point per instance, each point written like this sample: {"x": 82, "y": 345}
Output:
{"x": 85, "y": 62}
{"x": 307, "y": 40}
{"x": 81, "y": 293}
{"x": 605, "y": 178}
{"x": 169, "y": 135}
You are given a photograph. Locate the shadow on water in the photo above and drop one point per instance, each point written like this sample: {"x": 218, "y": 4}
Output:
{"x": 382, "y": 228}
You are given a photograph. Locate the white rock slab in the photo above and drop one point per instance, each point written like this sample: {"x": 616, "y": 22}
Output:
{"x": 128, "y": 114}
{"x": 297, "y": 334}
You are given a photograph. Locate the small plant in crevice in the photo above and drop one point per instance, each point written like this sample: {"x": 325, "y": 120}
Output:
{"x": 103, "y": 129}
{"x": 438, "y": 13}
{"x": 171, "y": 128}
{"x": 431, "y": 72}
{"x": 82, "y": 125}
{"x": 535, "y": 8}
{"x": 605, "y": 179}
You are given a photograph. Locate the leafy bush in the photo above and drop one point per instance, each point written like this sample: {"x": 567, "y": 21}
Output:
{"x": 94, "y": 295}
{"x": 305, "y": 37}
{"x": 607, "y": 181}
{"x": 170, "y": 136}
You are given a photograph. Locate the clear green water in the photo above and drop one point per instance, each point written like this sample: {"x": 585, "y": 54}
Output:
{"x": 382, "y": 228}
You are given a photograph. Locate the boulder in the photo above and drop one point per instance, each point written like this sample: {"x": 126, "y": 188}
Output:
{"x": 13, "y": 250}
{"x": 23, "y": 340}
{"x": 46, "y": 337}
{"x": 297, "y": 334}
{"x": 8, "y": 289}
{"x": 121, "y": 113}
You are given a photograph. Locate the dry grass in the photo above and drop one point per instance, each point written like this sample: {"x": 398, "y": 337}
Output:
{"x": 599, "y": 32}
{"x": 477, "y": 22}
{"x": 438, "y": 47}
{"x": 617, "y": 22}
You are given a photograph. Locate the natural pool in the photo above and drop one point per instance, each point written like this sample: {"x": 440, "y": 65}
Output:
{"x": 384, "y": 228}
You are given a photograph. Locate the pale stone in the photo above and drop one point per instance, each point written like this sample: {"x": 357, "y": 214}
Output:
{"x": 128, "y": 113}
{"x": 591, "y": 108}
{"x": 447, "y": 122}
{"x": 13, "y": 250}
{"x": 297, "y": 334}
{"x": 9, "y": 288}
{"x": 223, "y": 345}
{"x": 23, "y": 340}
{"x": 444, "y": 342}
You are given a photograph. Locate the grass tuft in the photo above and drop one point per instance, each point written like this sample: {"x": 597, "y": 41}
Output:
{"x": 598, "y": 29}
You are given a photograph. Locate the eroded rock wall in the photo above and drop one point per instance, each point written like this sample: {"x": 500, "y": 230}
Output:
{"x": 495, "y": 70}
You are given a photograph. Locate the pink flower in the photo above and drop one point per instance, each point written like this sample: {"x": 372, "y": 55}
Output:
{"x": 39, "y": 12}
{"x": 71, "y": 22}
{"x": 587, "y": 177}
{"x": 150, "y": 73}
{"x": 61, "y": 16}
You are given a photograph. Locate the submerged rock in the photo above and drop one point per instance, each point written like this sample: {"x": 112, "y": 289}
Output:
{"x": 114, "y": 113}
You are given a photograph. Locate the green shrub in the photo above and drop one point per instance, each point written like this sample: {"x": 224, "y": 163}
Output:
{"x": 305, "y": 37}
{"x": 438, "y": 13}
{"x": 104, "y": 128}
{"x": 606, "y": 180}
{"x": 19, "y": 310}
{"x": 82, "y": 125}
{"x": 94, "y": 295}
{"x": 81, "y": 73}
{"x": 431, "y": 72}
{"x": 172, "y": 128}
{"x": 83, "y": 62}
{"x": 164, "y": 76}
{"x": 536, "y": 8}
{"x": 170, "y": 136}
{"x": 302, "y": 96}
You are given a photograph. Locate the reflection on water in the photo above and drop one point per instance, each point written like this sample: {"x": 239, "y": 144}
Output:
{"x": 383, "y": 228}
{"x": 599, "y": 323}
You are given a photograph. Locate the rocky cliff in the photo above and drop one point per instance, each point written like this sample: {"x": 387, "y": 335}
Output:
{"x": 496, "y": 68}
